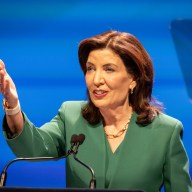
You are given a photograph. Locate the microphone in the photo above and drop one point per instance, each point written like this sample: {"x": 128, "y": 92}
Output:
{"x": 74, "y": 142}
{"x": 80, "y": 140}
{"x": 74, "y": 139}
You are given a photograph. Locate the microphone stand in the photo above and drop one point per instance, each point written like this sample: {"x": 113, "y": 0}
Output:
{"x": 76, "y": 141}
{"x": 92, "y": 184}
{"x": 80, "y": 140}
{"x": 33, "y": 159}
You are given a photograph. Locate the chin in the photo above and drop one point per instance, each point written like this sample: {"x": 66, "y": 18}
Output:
{"x": 100, "y": 104}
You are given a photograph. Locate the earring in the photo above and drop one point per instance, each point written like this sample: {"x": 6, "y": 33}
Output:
{"x": 132, "y": 91}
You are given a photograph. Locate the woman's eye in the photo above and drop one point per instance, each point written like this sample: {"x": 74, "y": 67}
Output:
{"x": 90, "y": 68}
{"x": 109, "y": 69}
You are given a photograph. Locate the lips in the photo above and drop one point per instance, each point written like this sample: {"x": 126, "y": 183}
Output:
{"x": 99, "y": 93}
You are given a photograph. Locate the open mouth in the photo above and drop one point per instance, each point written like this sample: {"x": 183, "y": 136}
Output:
{"x": 99, "y": 93}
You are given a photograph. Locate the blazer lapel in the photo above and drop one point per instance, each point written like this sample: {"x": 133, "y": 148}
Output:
{"x": 122, "y": 151}
{"x": 96, "y": 147}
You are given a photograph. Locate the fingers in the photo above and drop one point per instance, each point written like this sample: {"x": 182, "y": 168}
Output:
{"x": 6, "y": 89}
{"x": 1, "y": 63}
{"x": 2, "y": 76}
{"x": 7, "y": 86}
{"x": 2, "y": 66}
{"x": 5, "y": 80}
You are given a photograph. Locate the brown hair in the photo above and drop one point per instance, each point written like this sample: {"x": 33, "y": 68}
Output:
{"x": 137, "y": 62}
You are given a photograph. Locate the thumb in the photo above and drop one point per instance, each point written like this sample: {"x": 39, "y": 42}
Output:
{"x": 10, "y": 94}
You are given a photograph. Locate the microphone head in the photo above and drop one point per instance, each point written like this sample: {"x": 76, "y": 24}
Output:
{"x": 81, "y": 138}
{"x": 74, "y": 139}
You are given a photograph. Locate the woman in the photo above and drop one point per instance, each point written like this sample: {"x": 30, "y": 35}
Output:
{"x": 130, "y": 143}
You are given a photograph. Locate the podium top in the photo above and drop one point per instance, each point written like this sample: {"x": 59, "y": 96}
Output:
{"x": 15, "y": 189}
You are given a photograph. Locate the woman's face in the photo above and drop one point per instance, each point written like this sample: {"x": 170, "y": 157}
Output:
{"x": 107, "y": 79}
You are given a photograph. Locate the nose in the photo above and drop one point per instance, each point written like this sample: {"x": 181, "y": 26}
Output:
{"x": 98, "y": 79}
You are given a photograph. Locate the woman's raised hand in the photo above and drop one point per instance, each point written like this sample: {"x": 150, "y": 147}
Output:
{"x": 11, "y": 104}
{"x": 7, "y": 87}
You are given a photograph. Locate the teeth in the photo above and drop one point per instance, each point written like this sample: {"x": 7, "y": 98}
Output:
{"x": 99, "y": 92}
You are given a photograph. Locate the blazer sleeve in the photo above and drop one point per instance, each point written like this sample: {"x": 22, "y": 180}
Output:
{"x": 176, "y": 168}
{"x": 48, "y": 140}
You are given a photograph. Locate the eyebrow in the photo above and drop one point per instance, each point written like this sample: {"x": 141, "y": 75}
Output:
{"x": 89, "y": 63}
{"x": 107, "y": 64}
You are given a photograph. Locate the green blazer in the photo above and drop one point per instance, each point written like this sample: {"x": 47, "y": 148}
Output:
{"x": 149, "y": 156}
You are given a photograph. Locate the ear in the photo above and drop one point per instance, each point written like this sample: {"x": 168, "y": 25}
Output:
{"x": 132, "y": 85}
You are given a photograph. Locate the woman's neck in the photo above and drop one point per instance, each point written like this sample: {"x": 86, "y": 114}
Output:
{"x": 117, "y": 116}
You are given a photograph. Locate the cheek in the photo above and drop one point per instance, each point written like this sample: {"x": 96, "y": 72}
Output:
{"x": 115, "y": 83}
{"x": 121, "y": 85}
{"x": 87, "y": 81}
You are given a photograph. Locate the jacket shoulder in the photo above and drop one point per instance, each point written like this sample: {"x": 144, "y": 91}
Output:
{"x": 167, "y": 124}
{"x": 73, "y": 104}
{"x": 167, "y": 120}
{"x": 71, "y": 109}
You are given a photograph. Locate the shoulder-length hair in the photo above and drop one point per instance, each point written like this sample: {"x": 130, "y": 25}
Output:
{"x": 137, "y": 62}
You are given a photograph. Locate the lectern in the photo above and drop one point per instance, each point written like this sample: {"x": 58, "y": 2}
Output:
{"x": 19, "y": 189}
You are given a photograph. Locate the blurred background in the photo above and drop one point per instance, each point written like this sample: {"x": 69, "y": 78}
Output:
{"x": 39, "y": 43}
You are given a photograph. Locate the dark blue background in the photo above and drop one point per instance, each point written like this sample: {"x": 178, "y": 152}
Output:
{"x": 39, "y": 42}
